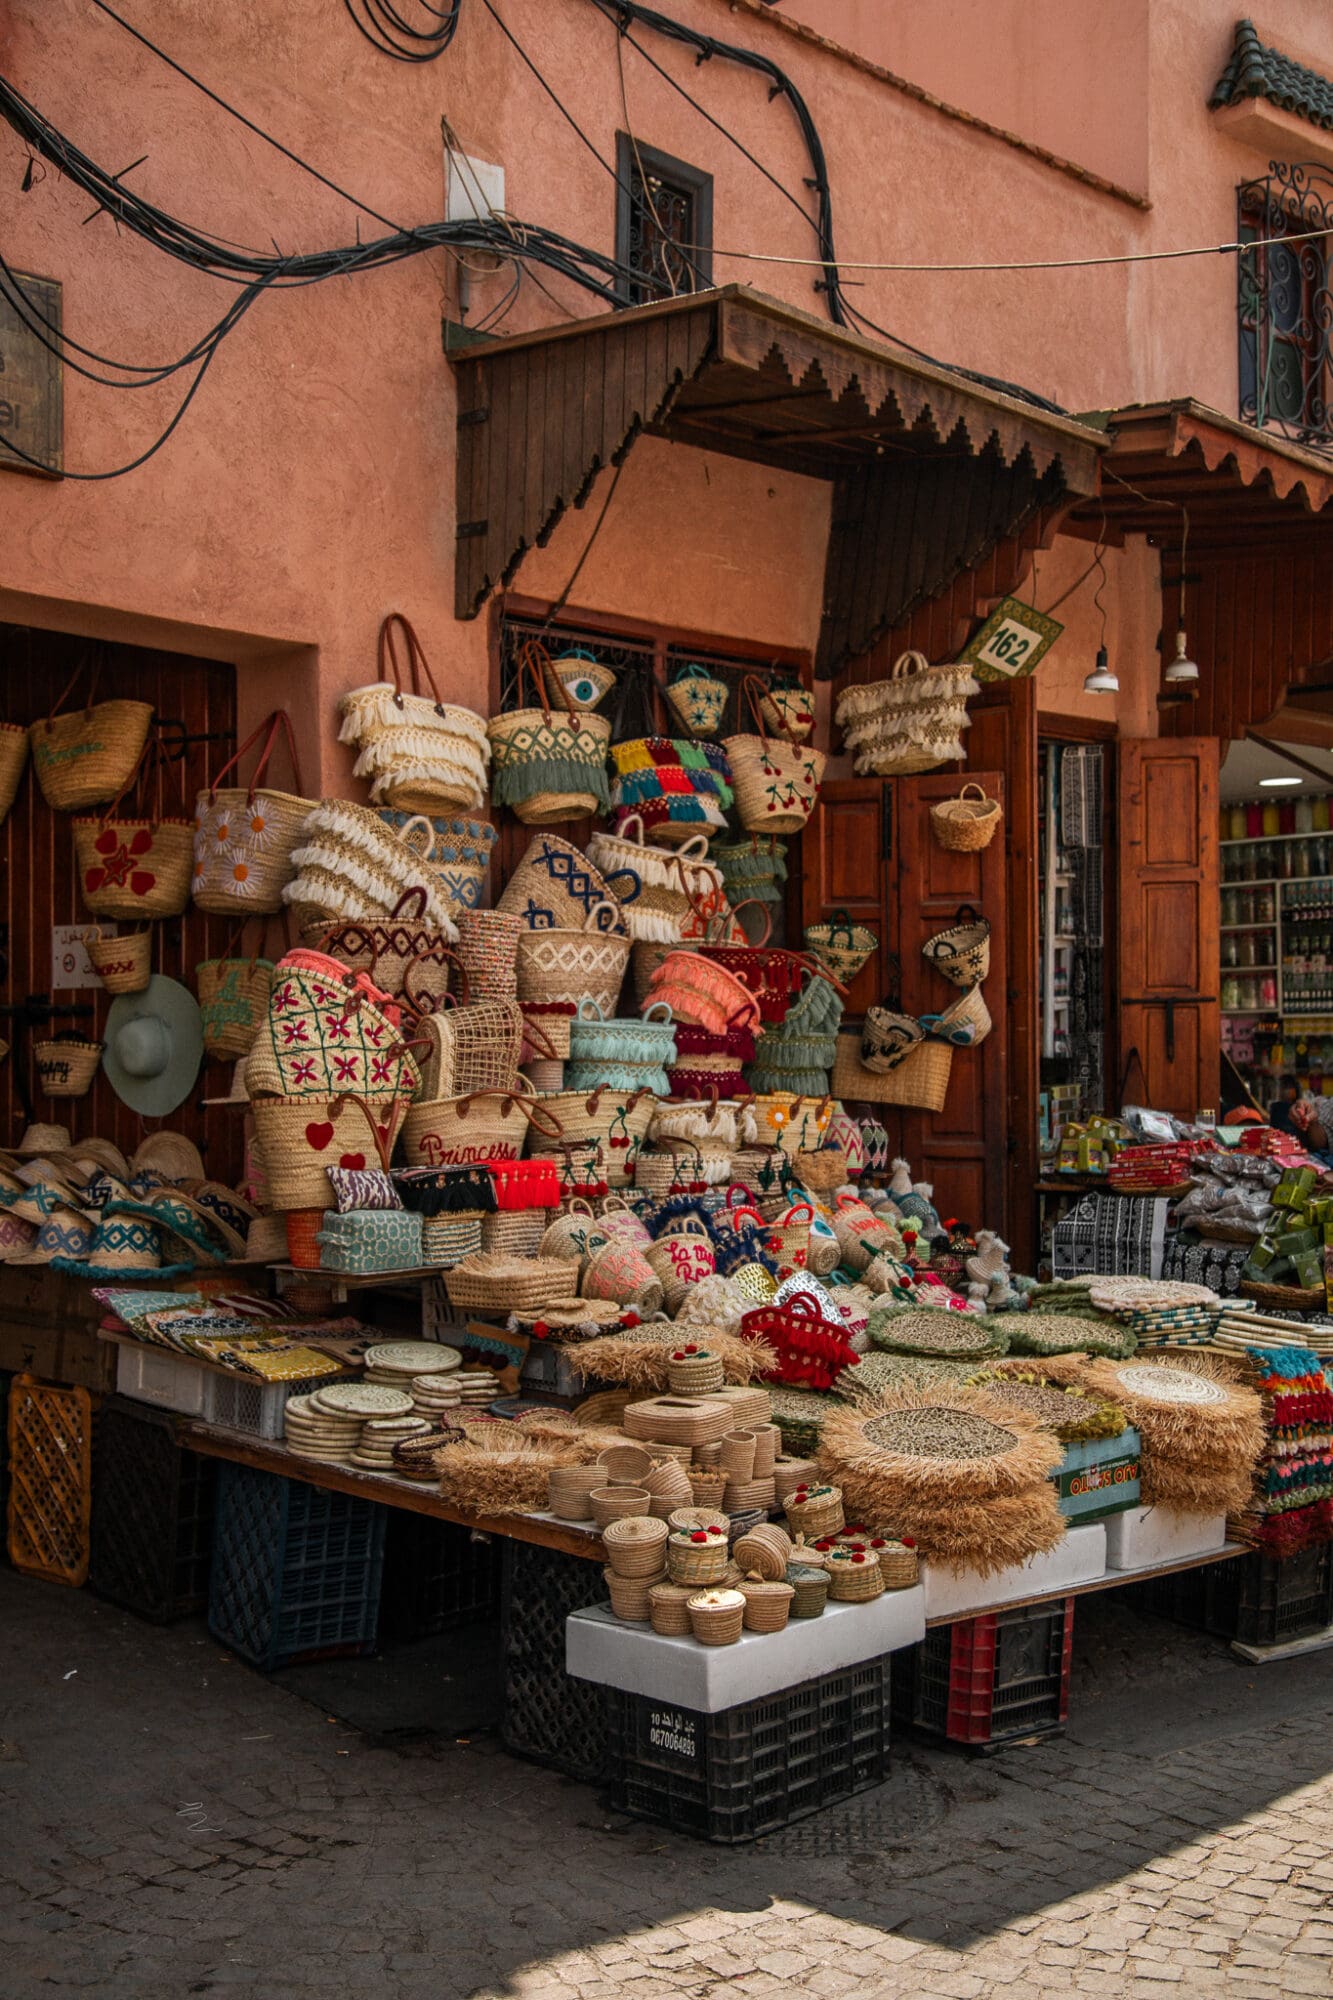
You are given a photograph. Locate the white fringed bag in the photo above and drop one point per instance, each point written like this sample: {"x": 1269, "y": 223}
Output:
{"x": 420, "y": 754}
{"x": 911, "y": 722}
{"x": 351, "y": 864}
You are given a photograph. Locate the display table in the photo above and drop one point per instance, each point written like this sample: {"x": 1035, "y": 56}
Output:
{"x": 954, "y": 1593}
{"x": 601, "y": 1647}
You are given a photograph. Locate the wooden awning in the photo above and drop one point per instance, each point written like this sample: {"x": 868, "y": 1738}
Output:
{"x": 1258, "y": 559}
{"x": 930, "y": 469}
{"x": 1244, "y": 489}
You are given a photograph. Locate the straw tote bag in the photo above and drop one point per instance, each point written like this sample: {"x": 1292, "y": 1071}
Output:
{"x": 245, "y": 835}
{"x": 132, "y": 866}
{"x": 401, "y": 953}
{"x": 233, "y": 1001}
{"x": 13, "y": 756}
{"x": 548, "y": 767}
{"x": 299, "y": 1138}
{"x": 86, "y": 756}
{"x": 326, "y": 1033}
{"x": 420, "y": 754}
{"x": 911, "y": 722}
{"x": 776, "y": 782}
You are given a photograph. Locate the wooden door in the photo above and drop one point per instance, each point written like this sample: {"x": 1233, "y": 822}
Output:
{"x": 869, "y": 849}
{"x": 965, "y": 1149}
{"x": 1003, "y": 738}
{"x": 1168, "y": 944}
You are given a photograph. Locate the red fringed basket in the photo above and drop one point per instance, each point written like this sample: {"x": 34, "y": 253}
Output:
{"x": 811, "y": 1353}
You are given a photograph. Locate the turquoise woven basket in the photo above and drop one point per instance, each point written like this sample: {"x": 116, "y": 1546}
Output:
{"x": 596, "y": 1040}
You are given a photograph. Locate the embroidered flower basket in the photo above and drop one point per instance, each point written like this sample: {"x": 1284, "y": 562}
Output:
{"x": 911, "y": 722}
{"x": 699, "y": 700}
{"x": 84, "y": 756}
{"x": 325, "y": 1034}
{"x": 776, "y": 782}
{"x": 135, "y": 866}
{"x": 615, "y": 1120}
{"x": 299, "y": 1138}
{"x": 420, "y": 754}
{"x": 548, "y": 766}
{"x": 245, "y": 835}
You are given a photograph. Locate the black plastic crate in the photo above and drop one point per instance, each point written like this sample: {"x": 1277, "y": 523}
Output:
{"x": 5, "y": 1380}
{"x": 757, "y": 1767}
{"x": 436, "y": 1577}
{"x": 1262, "y": 1600}
{"x": 987, "y": 1680}
{"x": 152, "y": 1527}
{"x": 548, "y": 1715}
{"x": 1182, "y": 1597}
{"x": 296, "y": 1570}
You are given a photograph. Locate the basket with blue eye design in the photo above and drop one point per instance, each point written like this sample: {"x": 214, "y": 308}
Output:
{"x": 582, "y": 676}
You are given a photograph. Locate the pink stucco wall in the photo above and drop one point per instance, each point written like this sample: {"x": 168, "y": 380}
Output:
{"x": 310, "y": 488}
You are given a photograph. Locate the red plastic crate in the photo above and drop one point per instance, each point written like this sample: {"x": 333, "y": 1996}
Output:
{"x": 988, "y": 1680}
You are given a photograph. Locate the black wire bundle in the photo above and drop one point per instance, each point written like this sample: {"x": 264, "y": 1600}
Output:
{"x": 385, "y": 29}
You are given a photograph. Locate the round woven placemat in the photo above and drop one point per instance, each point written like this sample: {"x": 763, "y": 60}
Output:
{"x": 1170, "y": 1385}
{"x": 939, "y": 1433}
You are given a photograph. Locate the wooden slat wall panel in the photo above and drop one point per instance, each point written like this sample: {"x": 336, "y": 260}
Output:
{"x": 39, "y": 886}
{"x": 1257, "y": 625}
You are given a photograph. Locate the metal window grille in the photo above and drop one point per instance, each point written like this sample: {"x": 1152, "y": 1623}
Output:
{"x": 1285, "y": 304}
{"x": 664, "y": 223}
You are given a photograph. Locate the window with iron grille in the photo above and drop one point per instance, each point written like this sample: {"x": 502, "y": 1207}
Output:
{"x": 1286, "y": 304}
{"x": 664, "y": 223}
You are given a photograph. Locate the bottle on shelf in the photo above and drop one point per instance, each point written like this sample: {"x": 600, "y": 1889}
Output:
{"x": 1319, "y": 812}
{"x": 1254, "y": 820}
{"x": 1302, "y": 814}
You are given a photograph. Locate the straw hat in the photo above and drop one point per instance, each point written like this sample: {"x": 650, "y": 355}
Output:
{"x": 124, "y": 1247}
{"x": 186, "y": 1228}
{"x": 43, "y": 1197}
{"x": 65, "y": 1234}
{"x": 266, "y": 1240}
{"x": 86, "y": 1155}
{"x": 16, "y": 1236}
{"x": 169, "y": 1155}
{"x": 226, "y": 1210}
{"x": 238, "y": 1093}
{"x": 43, "y": 1139}
{"x": 154, "y": 1045}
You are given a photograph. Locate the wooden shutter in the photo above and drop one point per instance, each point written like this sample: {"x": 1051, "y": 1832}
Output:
{"x": 1003, "y": 738}
{"x": 869, "y": 849}
{"x": 843, "y": 866}
{"x": 964, "y": 1149}
{"x": 1168, "y": 920}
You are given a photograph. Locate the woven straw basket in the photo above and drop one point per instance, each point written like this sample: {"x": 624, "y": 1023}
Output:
{"x": 716, "y": 1617}
{"x": 548, "y": 766}
{"x": 699, "y": 700}
{"x": 86, "y": 756}
{"x": 841, "y": 945}
{"x": 922, "y": 1080}
{"x": 233, "y": 1001}
{"x": 13, "y": 756}
{"x": 636, "y": 1545}
{"x": 299, "y": 1138}
{"x": 245, "y": 837}
{"x": 66, "y": 1069}
{"x": 961, "y": 953}
{"x": 123, "y": 963}
{"x": 967, "y": 823}
{"x": 767, "y": 1602}
{"x": 571, "y": 966}
{"x": 694, "y": 1562}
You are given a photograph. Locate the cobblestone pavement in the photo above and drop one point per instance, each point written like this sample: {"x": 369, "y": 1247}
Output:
{"x": 172, "y": 1824}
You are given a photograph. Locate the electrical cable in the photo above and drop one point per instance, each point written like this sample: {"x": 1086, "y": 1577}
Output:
{"x": 386, "y": 30}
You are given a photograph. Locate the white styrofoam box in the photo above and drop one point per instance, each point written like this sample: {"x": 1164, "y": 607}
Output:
{"x": 1148, "y": 1535}
{"x": 156, "y": 1375}
{"x": 1079, "y": 1558}
{"x": 601, "y": 1647}
{"x": 241, "y": 1403}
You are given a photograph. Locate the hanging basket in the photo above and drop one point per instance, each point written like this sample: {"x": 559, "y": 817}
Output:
{"x": 968, "y": 823}
{"x": 245, "y": 836}
{"x": 911, "y": 722}
{"x": 13, "y": 756}
{"x": 776, "y": 782}
{"x": 840, "y": 945}
{"x": 699, "y": 700}
{"x": 966, "y": 1023}
{"x": 66, "y": 1068}
{"x": 584, "y": 679}
{"x": 547, "y": 767}
{"x": 85, "y": 756}
{"x": 420, "y": 754}
{"x": 961, "y": 953}
{"x": 402, "y": 953}
{"x": 920, "y": 1080}
{"x": 233, "y": 1002}
{"x": 133, "y": 867}
{"x": 790, "y": 711}
{"x": 888, "y": 1037}
{"x": 123, "y": 963}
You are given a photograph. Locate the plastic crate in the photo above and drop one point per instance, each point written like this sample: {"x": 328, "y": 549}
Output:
{"x": 1262, "y": 1600}
{"x": 436, "y": 1577}
{"x": 752, "y": 1769}
{"x": 50, "y": 1479}
{"x": 296, "y": 1570}
{"x": 158, "y": 1375}
{"x": 239, "y": 1403}
{"x": 987, "y": 1680}
{"x": 152, "y": 1529}
{"x": 547, "y": 1715}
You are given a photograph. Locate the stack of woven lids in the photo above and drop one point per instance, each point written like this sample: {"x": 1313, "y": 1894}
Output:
{"x": 395, "y": 1363}
{"x": 374, "y": 1450}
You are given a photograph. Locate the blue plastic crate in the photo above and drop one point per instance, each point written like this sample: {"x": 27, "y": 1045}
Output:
{"x": 296, "y": 1570}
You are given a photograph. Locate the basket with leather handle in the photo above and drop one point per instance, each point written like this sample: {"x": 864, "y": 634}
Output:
{"x": 137, "y": 865}
{"x": 776, "y": 782}
{"x": 401, "y": 952}
{"x": 84, "y": 756}
{"x": 420, "y": 754}
{"x": 772, "y": 974}
{"x": 548, "y": 765}
{"x": 245, "y": 836}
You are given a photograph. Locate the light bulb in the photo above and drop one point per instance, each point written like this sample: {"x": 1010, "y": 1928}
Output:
{"x": 1182, "y": 668}
{"x": 1101, "y": 680}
